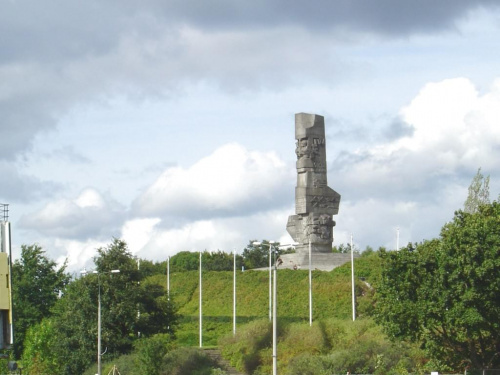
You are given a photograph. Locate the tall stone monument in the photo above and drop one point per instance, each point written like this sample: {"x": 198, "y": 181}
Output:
{"x": 315, "y": 202}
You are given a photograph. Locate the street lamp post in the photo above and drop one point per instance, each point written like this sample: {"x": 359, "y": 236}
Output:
{"x": 310, "y": 286}
{"x": 99, "y": 355}
{"x": 275, "y": 336}
{"x": 270, "y": 276}
{"x": 234, "y": 292}
{"x": 353, "y": 292}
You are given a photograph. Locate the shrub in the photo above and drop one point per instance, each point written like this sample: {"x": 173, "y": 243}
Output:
{"x": 150, "y": 352}
{"x": 184, "y": 361}
{"x": 243, "y": 350}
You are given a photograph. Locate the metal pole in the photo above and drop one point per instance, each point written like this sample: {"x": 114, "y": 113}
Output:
{"x": 270, "y": 287}
{"x": 201, "y": 319}
{"x": 397, "y": 239}
{"x": 275, "y": 339}
{"x": 234, "y": 293}
{"x": 352, "y": 282}
{"x": 99, "y": 327}
{"x": 310, "y": 286}
{"x": 168, "y": 278}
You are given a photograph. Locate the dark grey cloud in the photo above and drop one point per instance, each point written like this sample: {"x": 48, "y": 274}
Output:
{"x": 384, "y": 16}
{"x": 59, "y": 30}
{"x": 56, "y": 54}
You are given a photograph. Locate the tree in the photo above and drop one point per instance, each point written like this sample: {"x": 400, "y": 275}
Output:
{"x": 185, "y": 261}
{"x": 38, "y": 358}
{"x": 37, "y": 282}
{"x": 257, "y": 256}
{"x": 479, "y": 193}
{"x": 151, "y": 352}
{"x": 444, "y": 292}
{"x": 129, "y": 305}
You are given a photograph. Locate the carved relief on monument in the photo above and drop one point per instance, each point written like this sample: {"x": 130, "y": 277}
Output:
{"x": 315, "y": 202}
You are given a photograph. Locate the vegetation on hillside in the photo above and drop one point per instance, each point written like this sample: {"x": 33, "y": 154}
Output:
{"x": 430, "y": 306}
{"x": 444, "y": 293}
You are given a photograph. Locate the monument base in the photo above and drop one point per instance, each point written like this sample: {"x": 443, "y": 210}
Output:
{"x": 319, "y": 261}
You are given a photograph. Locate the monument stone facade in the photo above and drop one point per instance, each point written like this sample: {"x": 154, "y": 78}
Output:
{"x": 315, "y": 202}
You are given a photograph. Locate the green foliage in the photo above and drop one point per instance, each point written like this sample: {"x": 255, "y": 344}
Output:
{"x": 220, "y": 261}
{"x": 37, "y": 282}
{"x": 445, "y": 292}
{"x": 330, "y": 346}
{"x": 38, "y": 358}
{"x": 479, "y": 193}
{"x": 150, "y": 352}
{"x": 149, "y": 268}
{"x": 123, "y": 295}
{"x": 187, "y": 361}
{"x": 244, "y": 349}
{"x": 185, "y": 261}
{"x": 331, "y": 297}
{"x": 343, "y": 249}
{"x": 257, "y": 255}
{"x": 126, "y": 364}
{"x": 158, "y": 312}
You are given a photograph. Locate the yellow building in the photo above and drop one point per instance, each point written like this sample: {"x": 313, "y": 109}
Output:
{"x": 6, "y": 329}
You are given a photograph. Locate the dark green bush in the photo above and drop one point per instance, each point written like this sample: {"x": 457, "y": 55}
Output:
{"x": 184, "y": 361}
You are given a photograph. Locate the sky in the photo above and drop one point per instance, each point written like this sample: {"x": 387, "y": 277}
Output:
{"x": 170, "y": 124}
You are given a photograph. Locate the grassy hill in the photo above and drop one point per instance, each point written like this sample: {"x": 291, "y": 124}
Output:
{"x": 331, "y": 297}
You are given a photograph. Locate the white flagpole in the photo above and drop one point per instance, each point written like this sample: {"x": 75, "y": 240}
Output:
{"x": 201, "y": 319}
{"x": 310, "y": 286}
{"x": 168, "y": 278}
{"x": 352, "y": 282}
{"x": 397, "y": 239}
{"x": 234, "y": 293}
{"x": 270, "y": 286}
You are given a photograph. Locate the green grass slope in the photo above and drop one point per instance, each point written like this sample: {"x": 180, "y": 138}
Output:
{"x": 331, "y": 297}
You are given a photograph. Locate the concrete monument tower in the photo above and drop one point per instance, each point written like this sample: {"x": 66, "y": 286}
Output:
{"x": 315, "y": 202}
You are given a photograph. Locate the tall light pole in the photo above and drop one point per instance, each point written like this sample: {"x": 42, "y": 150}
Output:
{"x": 168, "y": 278}
{"x": 310, "y": 286}
{"x": 270, "y": 276}
{"x": 99, "y": 355}
{"x": 234, "y": 292}
{"x": 201, "y": 308}
{"x": 352, "y": 282}
{"x": 275, "y": 310}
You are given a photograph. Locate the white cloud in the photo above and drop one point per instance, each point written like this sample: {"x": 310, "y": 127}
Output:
{"x": 89, "y": 215}
{"x": 224, "y": 234}
{"x": 230, "y": 181}
{"x": 417, "y": 182}
{"x": 78, "y": 254}
{"x": 455, "y": 131}
{"x": 137, "y": 233}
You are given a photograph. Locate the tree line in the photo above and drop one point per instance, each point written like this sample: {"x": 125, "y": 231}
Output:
{"x": 440, "y": 294}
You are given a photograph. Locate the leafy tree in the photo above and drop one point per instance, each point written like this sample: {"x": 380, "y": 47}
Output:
{"x": 149, "y": 268}
{"x": 220, "y": 261}
{"x": 38, "y": 358}
{"x": 444, "y": 292}
{"x": 479, "y": 193}
{"x": 123, "y": 296}
{"x": 257, "y": 256}
{"x": 150, "y": 352}
{"x": 157, "y": 312}
{"x": 37, "y": 282}
{"x": 185, "y": 261}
